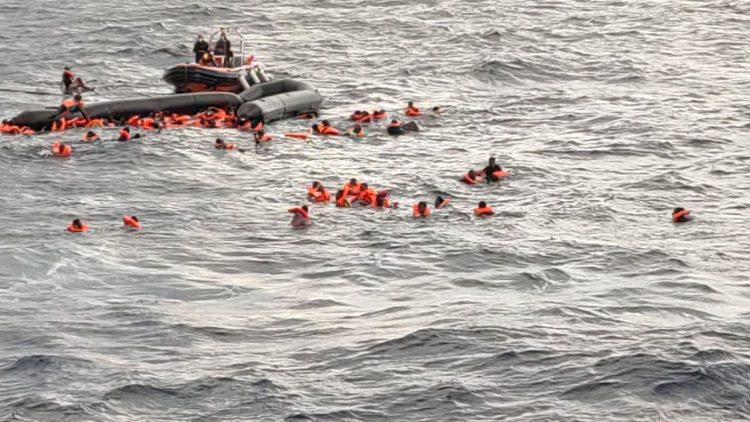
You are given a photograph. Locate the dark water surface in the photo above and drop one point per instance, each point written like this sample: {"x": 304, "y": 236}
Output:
{"x": 578, "y": 301}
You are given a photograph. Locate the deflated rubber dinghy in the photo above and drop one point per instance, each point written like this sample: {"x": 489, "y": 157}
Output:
{"x": 278, "y": 100}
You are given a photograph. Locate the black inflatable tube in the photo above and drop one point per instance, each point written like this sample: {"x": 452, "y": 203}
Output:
{"x": 280, "y": 106}
{"x": 268, "y": 101}
{"x": 280, "y": 86}
{"x": 121, "y": 109}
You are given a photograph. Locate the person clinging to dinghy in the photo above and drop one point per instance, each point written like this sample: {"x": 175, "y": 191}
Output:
{"x": 72, "y": 105}
{"x": 200, "y": 48}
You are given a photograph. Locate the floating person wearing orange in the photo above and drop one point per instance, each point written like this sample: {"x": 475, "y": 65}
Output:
{"x": 681, "y": 215}
{"x": 124, "y": 134}
{"x": 77, "y": 226}
{"x": 262, "y": 136}
{"x": 90, "y": 136}
{"x": 472, "y": 178}
{"x": 301, "y": 217}
{"x": 352, "y": 188}
{"x": 60, "y": 149}
{"x": 131, "y": 222}
{"x": 379, "y": 115}
{"x": 493, "y": 172}
{"x": 324, "y": 128}
{"x": 421, "y": 210}
{"x": 367, "y": 196}
{"x": 341, "y": 200}
{"x": 483, "y": 209}
{"x": 318, "y": 193}
{"x": 412, "y": 111}
{"x": 358, "y": 114}
{"x": 441, "y": 202}
{"x": 221, "y": 144}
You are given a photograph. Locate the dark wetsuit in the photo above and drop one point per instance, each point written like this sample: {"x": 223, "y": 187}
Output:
{"x": 222, "y": 47}
{"x": 200, "y": 47}
{"x": 67, "y": 79}
{"x": 488, "y": 173}
{"x": 395, "y": 130}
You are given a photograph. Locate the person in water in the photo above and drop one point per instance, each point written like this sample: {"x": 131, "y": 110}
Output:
{"x": 437, "y": 110}
{"x": 383, "y": 200}
{"x": 301, "y": 217}
{"x": 200, "y": 48}
{"x": 262, "y": 136}
{"x": 318, "y": 193}
{"x": 341, "y": 200}
{"x": 395, "y": 129}
{"x": 489, "y": 171}
{"x": 220, "y": 144}
{"x": 681, "y": 215}
{"x": 77, "y": 226}
{"x": 411, "y": 110}
{"x": 352, "y": 188}
{"x": 441, "y": 202}
{"x": 472, "y": 178}
{"x": 483, "y": 209}
{"x": 356, "y": 131}
{"x": 421, "y": 209}
{"x": 367, "y": 195}
{"x": 90, "y": 136}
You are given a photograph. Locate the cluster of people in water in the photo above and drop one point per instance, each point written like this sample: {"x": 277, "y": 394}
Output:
{"x": 355, "y": 193}
{"x": 129, "y": 222}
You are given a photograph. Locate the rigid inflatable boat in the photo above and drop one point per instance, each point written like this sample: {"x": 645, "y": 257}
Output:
{"x": 226, "y": 73}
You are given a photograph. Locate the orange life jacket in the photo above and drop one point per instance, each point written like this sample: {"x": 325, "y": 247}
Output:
{"x": 412, "y": 112}
{"x": 133, "y": 120}
{"x": 147, "y": 123}
{"x": 468, "y": 180}
{"x": 95, "y": 123}
{"x": 124, "y": 135}
{"x": 299, "y": 211}
{"x": 678, "y": 216}
{"x": 26, "y": 130}
{"x": 352, "y": 190}
{"x": 70, "y": 103}
{"x": 297, "y": 135}
{"x": 416, "y": 214}
{"x": 330, "y": 130}
{"x": 73, "y": 229}
{"x": 484, "y": 211}
{"x": 369, "y": 197}
{"x": 61, "y": 150}
{"x": 500, "y": 173}
{"x": 343, "y": 202}
{"x": 130, "y": 222}
{"x": 317, "y": 195}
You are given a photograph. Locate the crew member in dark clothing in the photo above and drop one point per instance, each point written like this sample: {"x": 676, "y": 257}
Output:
{"x": 489, "y": 171}
{"x": 67, "y": 78}
{"x": 200, "y": 47}
{"x": 222, "y": 45}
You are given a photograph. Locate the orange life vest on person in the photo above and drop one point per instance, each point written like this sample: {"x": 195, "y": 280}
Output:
{"x": 483, "y": 211}
{"x": 330, "y": 130}
{"x": 680, "y": 215}
{"x": 73, "y": 229}
{"x": 412, "y": 112}
{"x": 61, "y": 150}
{"x": 468, "y": 180}
{"x": 365, "y": 118}
{"x": 350, "y": 189}
{"x": 147, "y": 123}
{"x": 124, "y": 135}
{"x": 129, "y": 221}
{"x": 133, "y": 120}
{"x": 343, "y": 202}
{"x": 368, "y": 197}
{"x": 357, "y": 115}
{"x": 95, "y": 123}
{"x": 416, "y": 214}
{"x": 317, "y": 195}
{"x": 500, "y": 173}
{"x": 299, "y": 211}
{"x": 70, "y": 103}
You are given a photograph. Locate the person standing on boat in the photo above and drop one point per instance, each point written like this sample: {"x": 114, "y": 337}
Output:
{"x": 72, "y": 84}
{"x": 223, "y": 47}
{"x": 200, "y": 47}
